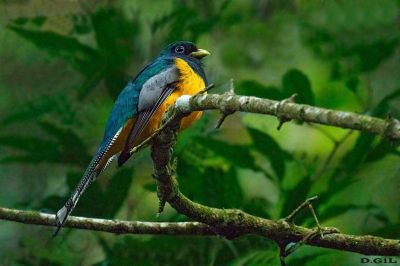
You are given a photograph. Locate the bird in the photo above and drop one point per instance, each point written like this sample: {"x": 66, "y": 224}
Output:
{"x": 137, "y": 112}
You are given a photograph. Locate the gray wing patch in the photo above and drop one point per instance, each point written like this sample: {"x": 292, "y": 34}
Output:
{"x": 153, "y": 88}
{"x": 144, "y": 116}
{"x": 140, "y": 124}
{"x": 154, "y": 92}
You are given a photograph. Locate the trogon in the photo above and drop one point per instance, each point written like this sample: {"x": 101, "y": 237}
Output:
{"x": 137, "y": 112}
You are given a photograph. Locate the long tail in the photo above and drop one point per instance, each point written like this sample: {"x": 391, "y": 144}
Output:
{"x": 90, "y": 175}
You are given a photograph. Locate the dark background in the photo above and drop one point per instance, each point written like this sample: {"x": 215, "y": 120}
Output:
{"x": 63, "y": 63}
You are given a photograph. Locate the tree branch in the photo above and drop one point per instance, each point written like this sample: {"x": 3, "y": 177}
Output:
{"x": 233, "y": 223}
{"x": 109, "y": 226}
{"x": 277, "y": 230}
{"x": 389, "y": 128}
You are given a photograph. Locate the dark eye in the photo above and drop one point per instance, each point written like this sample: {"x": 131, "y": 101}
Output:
{"x": 180, "y": 49}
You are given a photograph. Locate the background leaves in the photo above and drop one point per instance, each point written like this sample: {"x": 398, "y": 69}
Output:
{"x": 65, "y": 63}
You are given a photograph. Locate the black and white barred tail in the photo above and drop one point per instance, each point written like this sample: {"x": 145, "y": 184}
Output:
{"x": 90, "y": 175}
{"x": 65, "y": 211}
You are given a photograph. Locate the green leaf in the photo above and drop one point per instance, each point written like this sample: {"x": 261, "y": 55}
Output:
{"x": 269, "y": 148}
{"x": 67, "y": 149}
{"x": 114, "y": 34}
{"x": 187, "y": 250}
{"x": 36, "y": 109}
{"x": 354, "y": 157}
{"x": 220, "y": 191}
{"x": 384, "y": 105}
{"x": 152, "y": 251}
{"x": 238, "y": 155}
{"x": 336, "y": 210}
{"x": 372, "y": 54}
{"x": 294, "y": 81}
{"x": 344, "y": 174}
{"x": 72, "y": 149}
{"x": 254, "y": 88}
{"x": 255, "y": 258}
{"x": 150, "y": 187}
{"x": 344, "y": 41}
{"x": 363, "y": 150}
{"x": 32, "y": 144}
{"x": 20, "y": 21}
{"x": 34, "y": 148}
{"x": 197, "y": 21}
{"x": 352, "y": 83}
{"x": 336, "y": 185}
{"x": 38, "y": 21}
{"x": 52, "y": 204}
{"x": 387, "y": 231}
{"x": 259, "y": 207}
{"x": 96, "y": 202}
{"x": 116, "y": 192}
{"x": 306, "y": 260}
{"x": 91, "y": 81}
{"x": 80, "y": 56}
{"x": 381, "y": 150}
{"x": 294, "y": 197}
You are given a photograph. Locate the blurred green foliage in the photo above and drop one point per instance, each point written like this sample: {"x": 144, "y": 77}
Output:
{"x": 65, "y": 62}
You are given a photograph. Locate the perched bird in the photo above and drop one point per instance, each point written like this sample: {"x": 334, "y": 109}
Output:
{"x": 137, "y": 112}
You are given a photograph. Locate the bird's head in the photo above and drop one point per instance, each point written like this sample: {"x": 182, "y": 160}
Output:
{"x": 183, "y": 48}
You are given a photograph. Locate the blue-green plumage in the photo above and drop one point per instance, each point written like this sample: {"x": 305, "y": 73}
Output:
{"x": 127, "y": 102}
{"x": 140, "y": 99}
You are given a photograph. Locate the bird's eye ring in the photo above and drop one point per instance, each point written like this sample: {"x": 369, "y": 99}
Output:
{"x": 180, "y": 49}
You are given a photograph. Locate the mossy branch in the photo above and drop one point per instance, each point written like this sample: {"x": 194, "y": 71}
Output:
{"x": 233, "y": 223}
{"x": 229, "y": 223}
{"x": 287, "y": 110}
{"x": 109, "y": 226}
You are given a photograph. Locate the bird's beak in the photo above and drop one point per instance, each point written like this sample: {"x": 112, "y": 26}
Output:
{"x": 200, "y": 53}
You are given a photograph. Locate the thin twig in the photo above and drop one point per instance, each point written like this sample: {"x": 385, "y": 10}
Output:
{"x": 282, "y": 256}
{"x": 205, "y": 89}
{"x": 311, "y": 235}
{"x": 281, "y": 117}
{"x": 328, "y": 159}
{"x": 307, "y": 238}
{"x": 157, "y": 131}
{"x": 314, "y": 215}
{"x": 147, "y": 141}
{"x": 323, "y": 131}
{"x": 293, "y": 215}
{"x": 224, "y": 112}
{"x": 221, "y": 120}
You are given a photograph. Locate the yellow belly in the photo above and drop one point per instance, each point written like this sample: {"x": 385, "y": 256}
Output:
{"x": 189, "y": 84}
